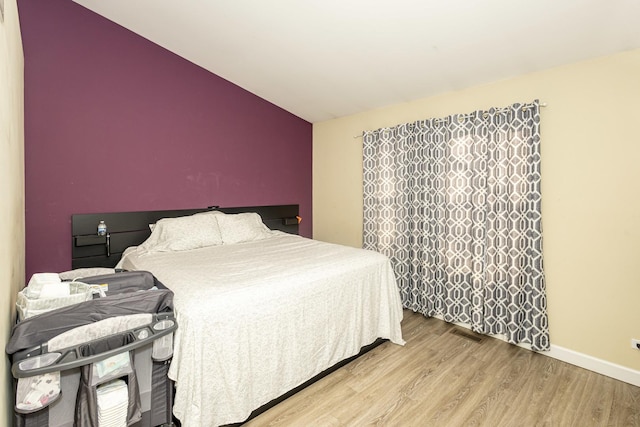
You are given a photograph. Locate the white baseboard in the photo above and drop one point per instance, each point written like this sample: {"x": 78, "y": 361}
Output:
{"x": 581, "y": 360}
{"x": 618, "y": 372}
{"x": 591, "y": 363}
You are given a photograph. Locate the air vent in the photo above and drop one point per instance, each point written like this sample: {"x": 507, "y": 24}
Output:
{"x": 467, "y": 335}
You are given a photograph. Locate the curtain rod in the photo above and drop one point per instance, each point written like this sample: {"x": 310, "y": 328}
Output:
{"x": 541, "y": 104}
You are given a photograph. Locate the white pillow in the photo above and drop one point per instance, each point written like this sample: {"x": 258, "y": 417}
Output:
{"x": 183, "y": 233}
{"x": 153, "y": 225}
{"x": 242, "y": 227}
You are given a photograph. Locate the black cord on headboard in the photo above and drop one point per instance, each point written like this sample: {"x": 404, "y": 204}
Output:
{"x": 132, "y": 228}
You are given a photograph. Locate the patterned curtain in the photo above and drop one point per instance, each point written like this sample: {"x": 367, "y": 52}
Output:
{"x": 455, "y": 204}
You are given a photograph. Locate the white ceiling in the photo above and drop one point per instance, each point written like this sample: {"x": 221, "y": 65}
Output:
{"x": 330, "y": 58}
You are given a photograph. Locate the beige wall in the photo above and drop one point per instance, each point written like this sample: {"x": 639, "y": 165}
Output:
{"x": 591, "y": 191}
{"x": 11, "y": 188}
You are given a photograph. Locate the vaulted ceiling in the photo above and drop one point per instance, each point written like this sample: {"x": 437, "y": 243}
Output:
{"x": 325, "y": 59}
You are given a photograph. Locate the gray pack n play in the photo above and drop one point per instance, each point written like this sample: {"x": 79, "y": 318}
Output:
{"x": 64, "y": 360}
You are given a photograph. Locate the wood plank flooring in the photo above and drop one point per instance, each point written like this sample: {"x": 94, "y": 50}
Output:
{"x": 443, "y": 379}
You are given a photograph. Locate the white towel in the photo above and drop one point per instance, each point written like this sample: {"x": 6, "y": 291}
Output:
{"x": 38, "y": 281}
{"x": 55, "y": 290}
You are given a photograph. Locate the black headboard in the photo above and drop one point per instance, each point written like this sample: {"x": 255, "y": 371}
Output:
{"x": 132, "y": 228}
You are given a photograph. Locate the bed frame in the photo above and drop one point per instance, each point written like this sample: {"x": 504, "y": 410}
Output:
{"x": 132, "y": 228}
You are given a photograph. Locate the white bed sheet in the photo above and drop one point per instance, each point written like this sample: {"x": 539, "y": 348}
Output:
{"x": 257, "y": 319}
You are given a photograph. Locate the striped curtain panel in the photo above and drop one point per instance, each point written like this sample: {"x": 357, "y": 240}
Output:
{"x": 455, "y": 204}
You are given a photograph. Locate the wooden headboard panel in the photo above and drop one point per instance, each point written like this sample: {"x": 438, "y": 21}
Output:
{"x": 132, "y": 228}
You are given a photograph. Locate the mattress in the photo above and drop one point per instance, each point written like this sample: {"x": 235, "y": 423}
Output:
{"x": 261, "y": 317}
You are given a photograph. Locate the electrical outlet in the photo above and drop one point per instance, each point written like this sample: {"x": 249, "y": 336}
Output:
{"x": 635, "y": 343}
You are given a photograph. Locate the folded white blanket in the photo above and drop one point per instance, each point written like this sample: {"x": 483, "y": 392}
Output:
{"x": 38, "y": 281}
{"x": 54, "y": 290}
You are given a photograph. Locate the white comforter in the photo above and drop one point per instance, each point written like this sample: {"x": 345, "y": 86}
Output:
{"x": 257, "y": 319}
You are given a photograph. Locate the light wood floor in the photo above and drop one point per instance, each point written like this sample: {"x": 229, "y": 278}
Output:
{"x": 442, "y": 379}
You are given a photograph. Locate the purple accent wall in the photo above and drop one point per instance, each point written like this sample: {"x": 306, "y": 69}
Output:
{"x": 115, "y": 123}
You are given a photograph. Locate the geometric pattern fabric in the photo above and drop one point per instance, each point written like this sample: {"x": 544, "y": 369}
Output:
{"x": 455, "y": 203}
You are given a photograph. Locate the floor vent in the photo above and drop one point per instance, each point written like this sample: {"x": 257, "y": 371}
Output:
{"x": 467, "y": 335}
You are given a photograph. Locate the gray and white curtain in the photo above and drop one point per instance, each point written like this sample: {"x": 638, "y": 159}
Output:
{"x": 455, "y": 204}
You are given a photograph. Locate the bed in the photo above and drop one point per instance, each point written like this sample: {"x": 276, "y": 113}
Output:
{"x": 261, "y": 310}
